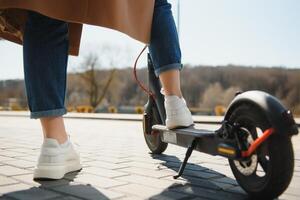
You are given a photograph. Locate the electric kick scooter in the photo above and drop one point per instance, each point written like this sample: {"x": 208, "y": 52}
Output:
{"x": 255, "y": 136}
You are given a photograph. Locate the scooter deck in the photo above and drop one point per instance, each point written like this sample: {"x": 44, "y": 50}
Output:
{"x": 189, "y": 131}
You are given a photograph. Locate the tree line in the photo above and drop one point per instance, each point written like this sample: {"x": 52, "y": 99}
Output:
{"x": 202, "y": 86}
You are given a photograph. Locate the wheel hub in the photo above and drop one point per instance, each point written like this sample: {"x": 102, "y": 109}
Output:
{"x": 249, "y": 166}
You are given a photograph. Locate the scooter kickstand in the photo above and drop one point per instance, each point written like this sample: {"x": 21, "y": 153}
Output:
{"x": 187, "y": 156}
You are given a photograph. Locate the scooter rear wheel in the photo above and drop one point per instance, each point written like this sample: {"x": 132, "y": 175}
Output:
{"x": 153, "y": 138}
{"x": 268, "y": 172}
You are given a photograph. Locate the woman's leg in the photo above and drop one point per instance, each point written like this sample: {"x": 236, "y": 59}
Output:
{"x": 53, "y": 127}
{"x": 166, "y": 57}
{"x": 171, "y": 82}
{"x": 45, "y": 62}
{"x": 45, "y": 51}
{"x": 165, "y": 49}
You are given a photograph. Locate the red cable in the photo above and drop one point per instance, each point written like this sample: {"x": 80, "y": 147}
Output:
{"x": 136, "y": 78}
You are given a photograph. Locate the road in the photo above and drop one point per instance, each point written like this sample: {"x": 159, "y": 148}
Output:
{"x": 117, "y": 165}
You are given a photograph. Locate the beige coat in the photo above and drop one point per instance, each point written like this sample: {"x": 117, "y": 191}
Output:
{"x": 132, "y": 17}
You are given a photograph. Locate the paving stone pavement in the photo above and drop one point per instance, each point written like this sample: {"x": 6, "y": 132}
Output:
{"x": 116, "y": 165}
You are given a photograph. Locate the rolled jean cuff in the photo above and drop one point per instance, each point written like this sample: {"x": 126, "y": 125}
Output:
{"x": 168, "y": 67}
{"x": 48, "y": 113}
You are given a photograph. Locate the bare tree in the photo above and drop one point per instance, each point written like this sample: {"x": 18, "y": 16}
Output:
{"x": 96, "y": 89}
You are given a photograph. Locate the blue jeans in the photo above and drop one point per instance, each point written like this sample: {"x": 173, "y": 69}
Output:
{"x": 45, "y": 53}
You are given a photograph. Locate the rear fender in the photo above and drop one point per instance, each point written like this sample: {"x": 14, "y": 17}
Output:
{"x": 280, "y": 118}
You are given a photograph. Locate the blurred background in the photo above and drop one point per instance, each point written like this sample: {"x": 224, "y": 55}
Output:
{"x": 227, "y": 46}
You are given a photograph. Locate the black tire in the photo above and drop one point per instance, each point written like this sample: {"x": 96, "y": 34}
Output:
{"x": 275, "y": 157}
{"x": 153, "y": 141}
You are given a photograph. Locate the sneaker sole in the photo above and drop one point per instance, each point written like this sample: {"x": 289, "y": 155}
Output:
{"x": 173, "y": 124}
{"x": 56, "y": 172}
{"x": 182, "y": 126}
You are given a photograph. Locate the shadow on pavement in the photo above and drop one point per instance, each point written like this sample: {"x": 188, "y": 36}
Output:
{"x": 63, "y": 189}
{"x": 200, "y": 182}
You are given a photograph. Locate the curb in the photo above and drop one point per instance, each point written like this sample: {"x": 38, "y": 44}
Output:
{"x": 120, "y": 117}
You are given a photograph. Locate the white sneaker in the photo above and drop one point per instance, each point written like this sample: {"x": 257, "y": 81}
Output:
{"x": 56, "y": 160}
{"x": 177, "y": 112}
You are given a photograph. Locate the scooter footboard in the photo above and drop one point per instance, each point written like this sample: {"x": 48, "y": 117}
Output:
{"x": 182, "y": 136}
{"x": 206, "y": 141}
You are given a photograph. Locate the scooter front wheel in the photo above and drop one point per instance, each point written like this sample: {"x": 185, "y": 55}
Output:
{"x": 153, "y": 138}
{"x": 268, "y": 172}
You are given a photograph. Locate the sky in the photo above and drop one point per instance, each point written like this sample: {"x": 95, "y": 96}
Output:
{"x": 212, "y": 32}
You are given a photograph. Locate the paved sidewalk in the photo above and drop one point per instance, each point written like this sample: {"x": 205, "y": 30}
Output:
{"x": 117, "y": 165}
